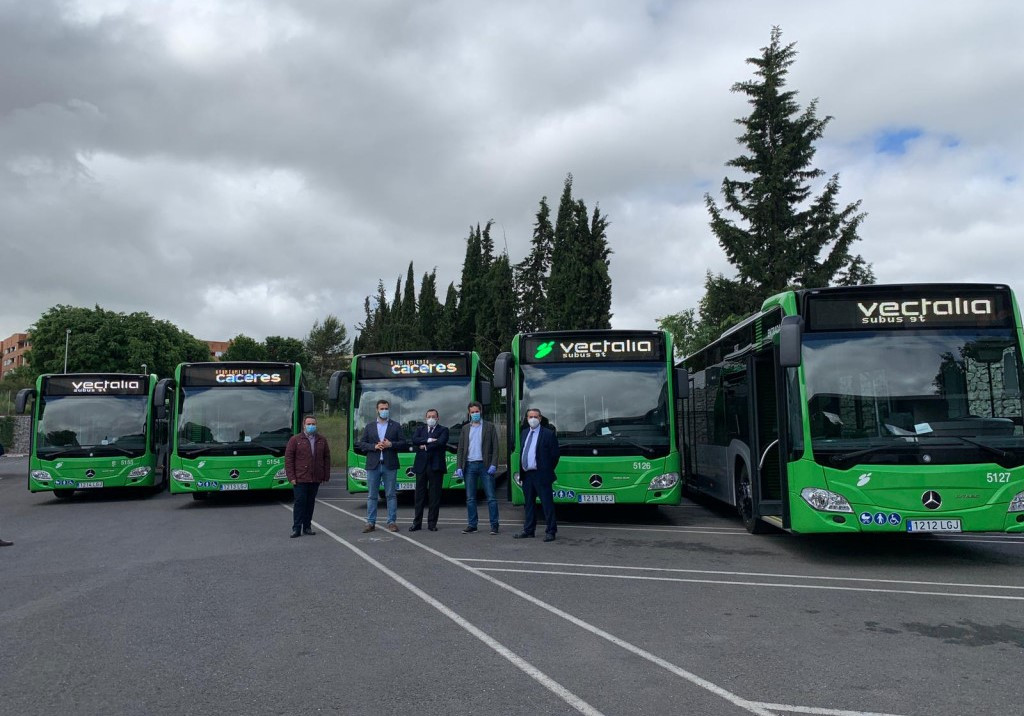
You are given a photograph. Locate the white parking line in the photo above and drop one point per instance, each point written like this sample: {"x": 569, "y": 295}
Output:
{"x": 786, "y": 708}
{"x": 772, "y": 575}
{"x": 519, "y": 662}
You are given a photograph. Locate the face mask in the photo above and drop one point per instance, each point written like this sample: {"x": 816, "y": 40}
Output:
{"x": 310, "y": 429}
{"x": 431, "y": 422}
{"x": 384, "y": 413}
{"x": 475, "y": 417}
{"x": 534, "y": 422}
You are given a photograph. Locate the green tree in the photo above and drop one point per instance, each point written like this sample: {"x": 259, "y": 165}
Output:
{"x": 496, "y": 318}
{"x": 105, "y": 341}
{"x": 285, "y": 350}
{"x": 242, "y": 347}
{"x": 327, "y": 350}
{"x": 786, "y": 237}
{"x": 564, "y": 272}
{"x": 474, "y": 268}
{"x": 447, "y": 326}
{"x": 410, "y": 338}
{"x": 531, "y": 274}
{"x": 429, "y": 311}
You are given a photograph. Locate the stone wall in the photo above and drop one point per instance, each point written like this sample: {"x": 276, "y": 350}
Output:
{"x": 22, "y": 430}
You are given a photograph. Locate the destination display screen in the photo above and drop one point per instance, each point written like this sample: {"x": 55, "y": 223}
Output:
{"x": 253, "y": 375}
{"x": 602, "y": 346}
{"x": 96, "y": 384}
{"x": 897, "y": 310}
{"x": 425, "y": 366}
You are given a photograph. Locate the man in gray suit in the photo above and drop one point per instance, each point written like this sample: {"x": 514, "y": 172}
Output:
{"x": 477, "y": 461}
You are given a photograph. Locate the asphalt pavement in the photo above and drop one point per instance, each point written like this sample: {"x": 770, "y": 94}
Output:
{"x": 114, "y": 603}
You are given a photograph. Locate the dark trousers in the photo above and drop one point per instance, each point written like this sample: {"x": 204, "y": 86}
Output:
{"x": 302, "y": 508}
{"x": 428, "y": 481}
{"x": 535, "y": 486}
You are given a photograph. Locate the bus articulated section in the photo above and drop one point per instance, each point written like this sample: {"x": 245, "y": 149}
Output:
{"x": 608, "y": 395}
{"x": 864, "y": 409}
{"x": 412, "y": 383}
{"x": 92, "y": 431}
{"x": 230, "y": 424}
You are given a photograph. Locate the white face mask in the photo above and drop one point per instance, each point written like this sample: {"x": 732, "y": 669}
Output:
{"x": 534, "y": 422}
{"x": 431, "y": 422}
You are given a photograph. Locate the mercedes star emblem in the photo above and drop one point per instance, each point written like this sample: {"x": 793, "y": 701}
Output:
{"x": 234, "y": 474}
{"x": 595, "y": 480}
{"x": 931, "y": 499}
{"x": 90, "y": 473}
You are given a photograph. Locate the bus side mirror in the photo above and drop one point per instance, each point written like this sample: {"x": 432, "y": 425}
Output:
{"x": 485, "y": 394}
{"x": 789, "y": 341}
{"x": 502, "y": 369}
{"x": 160, "y": 398}
{"x": 1011, "y": 378}
{"x": 22, "y": 399}
{"x": 682, "y": 378}
{"x": 337, "y": 387}
{"x": 307, "y": 402}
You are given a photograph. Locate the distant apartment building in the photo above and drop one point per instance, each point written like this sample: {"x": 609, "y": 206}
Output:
{"x": 12, "y": 352}
{"x": 217, "y": 348}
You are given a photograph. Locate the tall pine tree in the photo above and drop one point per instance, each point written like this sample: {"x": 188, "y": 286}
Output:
{"x": 429, "y": 311}
{"x": 531, "y": 274}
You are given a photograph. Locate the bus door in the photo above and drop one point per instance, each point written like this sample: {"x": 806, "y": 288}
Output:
{"x": 768, "y": 483}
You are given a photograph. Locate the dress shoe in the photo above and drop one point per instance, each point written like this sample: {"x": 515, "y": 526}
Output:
{"x": 308, "y": 531}
{"x": 522, "y": 535}
{"x": 369, "y": 528}
{"x": 392, "y": 527}
{"x": 468, "y": 529}
{"x": 414, "y": 528}
{"x": 296, "y": 533}
{"x": 549, "y": 537}
{"x": 494, "y": 530}
{"x": 5, "y": 543}
{"x": 432, "y": 528}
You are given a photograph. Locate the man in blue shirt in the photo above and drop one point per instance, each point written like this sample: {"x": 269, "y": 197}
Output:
{"x": 381, "y": 441}
{"x": 476, "y": 462}
{"x": 539, "y": 450}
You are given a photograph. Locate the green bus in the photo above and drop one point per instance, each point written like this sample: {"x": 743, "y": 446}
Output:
{"x": 413, "y": 382}
{"x": 93, "y": 431}
{"x": 864, "y": 409}
{"x": 608, "y": 395}
{"x": 230, "y": 423}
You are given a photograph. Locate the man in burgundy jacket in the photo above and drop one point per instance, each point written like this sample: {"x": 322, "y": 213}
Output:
{"x": 307, "y": 462}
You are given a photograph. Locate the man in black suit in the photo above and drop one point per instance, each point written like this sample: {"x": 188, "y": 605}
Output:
{"x": 429, "y": 441}
{"x": 381, "y": 441}
{"x": 538, "y": 459}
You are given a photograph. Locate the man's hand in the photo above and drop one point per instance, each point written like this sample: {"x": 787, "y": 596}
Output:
{"x": 293, "y": 482}
{"x": 458, "y": 474}
{"x": 492, "y": 469}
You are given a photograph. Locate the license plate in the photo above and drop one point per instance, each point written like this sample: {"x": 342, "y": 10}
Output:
{"x": 234, "y": 486}
{"x": 604, "y": 499}
{"x": 407, "y": 486}
{"x": 87, "y": 485}
{"x": 933, "y": 526}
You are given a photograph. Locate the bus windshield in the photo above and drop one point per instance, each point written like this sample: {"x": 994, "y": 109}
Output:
{"x": 945, "y": 397}
{"x": 234, "y": 420}
{"x": 616, "y": 408}
{"x": 411, "y": 398}
{"x": 91, "y": 425}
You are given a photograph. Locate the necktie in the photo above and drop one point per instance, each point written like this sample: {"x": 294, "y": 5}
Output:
{"x": 526, "y": 452}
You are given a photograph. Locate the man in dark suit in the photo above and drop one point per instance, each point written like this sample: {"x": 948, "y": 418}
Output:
{"x": 538, "y": 459}
{"x": 381, "y": 441}
{"x": 307, "y": 463}
{"x": 429, "y": 441}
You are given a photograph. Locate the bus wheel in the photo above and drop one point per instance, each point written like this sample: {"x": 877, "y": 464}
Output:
{"x": 200, "y": 495}
{"x": 745, "y": 503}
{"x": 63, "y": 494}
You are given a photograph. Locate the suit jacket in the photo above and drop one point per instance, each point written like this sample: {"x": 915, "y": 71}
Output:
{"x": 547, "y": 452}
{"x": 488, "y": 445}
{"x": 303, "y": 465}
{"x": 369, "y": 439}
{"x": 433, "y": 457}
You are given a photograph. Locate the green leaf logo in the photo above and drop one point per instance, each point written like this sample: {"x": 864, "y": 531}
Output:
{"x": 544, "y": 349}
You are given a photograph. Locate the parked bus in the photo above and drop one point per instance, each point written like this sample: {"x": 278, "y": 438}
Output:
{"x": 608, "y": 395}
{"x": 867, "y": 409}
{"x": 413, "y": 382}
{"x": 230, "y": 423}
{"x": 93, "y": 431}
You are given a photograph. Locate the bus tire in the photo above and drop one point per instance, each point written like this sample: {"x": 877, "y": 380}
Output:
{"x": 745, "y": 503}
{"x": 63, "y": 494}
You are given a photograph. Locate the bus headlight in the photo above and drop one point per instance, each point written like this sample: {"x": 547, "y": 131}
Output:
{"x": 1017, "y": 503}
{"x": 41, "y": 475}
{"x": 182, "y": 476}
{"x": 281, "y": 474}
{"x": 519, "y": 480}
{"x": 825, "y": 501}
{"x": 357, "y": 473}
{"x": 664, "y": 482}
{"x": 140, "y": 472}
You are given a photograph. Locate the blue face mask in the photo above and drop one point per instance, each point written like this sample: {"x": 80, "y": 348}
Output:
{"x": 384, "y": 413}
{"x": 475, "y": 417}
{"x": 310, "y": 429}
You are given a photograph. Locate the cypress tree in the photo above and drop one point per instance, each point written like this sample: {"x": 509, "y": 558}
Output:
{"x": 410, "y": 338}
{"x": 447, "y": 326}
{"x": 531, "y": 274}
{"x": 469, "y": 290}
{"x": 496, "y": 320}
{"x": 562, "y": 282}
{"x": 429, "y": 311}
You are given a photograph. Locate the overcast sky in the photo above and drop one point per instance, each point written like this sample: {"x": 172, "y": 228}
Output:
{"x": 252, "y": 166}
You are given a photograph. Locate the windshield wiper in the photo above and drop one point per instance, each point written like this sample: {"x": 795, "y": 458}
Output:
{"x": 116, "y": 448}
{"x": 647, "y": 450}
{"x": 991, "y": 449}
{"x": 61, "y": 453}
{"x": 200, "y": 450}
{"x": 847, "y": 456}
